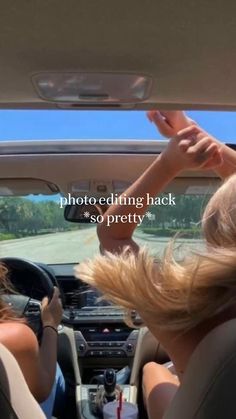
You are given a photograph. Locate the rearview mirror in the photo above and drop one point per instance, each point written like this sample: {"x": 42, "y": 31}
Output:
{"x": 82, "y": 213}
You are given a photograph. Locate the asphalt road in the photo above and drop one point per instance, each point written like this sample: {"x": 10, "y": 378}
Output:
{"x": 74, "y": 246}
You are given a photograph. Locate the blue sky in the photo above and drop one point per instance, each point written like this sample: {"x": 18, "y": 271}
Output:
{"x": 24, "y": 125}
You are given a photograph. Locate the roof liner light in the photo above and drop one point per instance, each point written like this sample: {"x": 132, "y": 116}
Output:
{"x": 94, "y": 88}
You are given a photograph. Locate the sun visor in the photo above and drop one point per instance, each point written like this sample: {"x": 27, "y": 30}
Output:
{"x": 21, "y": 187}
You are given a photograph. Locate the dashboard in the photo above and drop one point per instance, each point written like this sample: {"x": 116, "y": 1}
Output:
{"x": 98, "y": 325}
{"x": 81, "y": 303}
{"x": 99, "y": 328}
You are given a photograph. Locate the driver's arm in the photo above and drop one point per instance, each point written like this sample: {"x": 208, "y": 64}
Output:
{"x": 37, "y": 363}
{"x": 39, "y": 372}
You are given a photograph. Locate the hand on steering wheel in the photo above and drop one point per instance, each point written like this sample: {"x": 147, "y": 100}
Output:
{"x": 51, "y": 312}
{"x": 26, "y": 306}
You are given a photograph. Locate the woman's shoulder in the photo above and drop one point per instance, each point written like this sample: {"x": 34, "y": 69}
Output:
{"x": 17, "y": 336}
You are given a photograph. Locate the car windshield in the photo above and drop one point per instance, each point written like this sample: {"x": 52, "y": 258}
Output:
{"x": 33, "y": 227}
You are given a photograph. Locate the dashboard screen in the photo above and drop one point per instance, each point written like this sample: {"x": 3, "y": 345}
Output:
{"x": 87, "y": 297}
{"x": 92, "y": 299}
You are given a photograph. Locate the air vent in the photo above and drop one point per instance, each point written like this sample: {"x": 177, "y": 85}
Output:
{"x": 71, "y": 298}
{"x": 75, "y": 298}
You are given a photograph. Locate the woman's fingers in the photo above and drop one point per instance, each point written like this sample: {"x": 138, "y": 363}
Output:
{"x": 54, "y": 299}
{"x": 196, "y": 150}
{"x": 150, "y": 115}
{"x": 169, "y": 122}
{"x": 208, "y": 153}
{"x": 215, "y": 161}
{"x": 193, "y": 131}
{"x": 55, "y": 294}
{"x": 160, "y": 122}
{"x": 52, "y": 311}
{"x": 44, "y": 302}
{"x": 185, "y": 144}
{"x": 200, "y": 146}
{"x": 203, "y": 151}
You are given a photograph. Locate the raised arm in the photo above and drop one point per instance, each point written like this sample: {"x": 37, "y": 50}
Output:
{"x": 177, "y": 157}
{"x": 169, "y": 123}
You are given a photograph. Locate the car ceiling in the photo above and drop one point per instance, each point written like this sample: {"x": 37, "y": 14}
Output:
{"x": 187, "y": 47}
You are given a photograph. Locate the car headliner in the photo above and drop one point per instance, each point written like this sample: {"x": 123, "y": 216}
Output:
{"x": 188, "y": 50}
{"x": 187, "y": 47}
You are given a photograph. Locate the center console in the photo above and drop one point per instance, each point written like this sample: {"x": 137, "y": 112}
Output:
{"x": 103, "y": 342}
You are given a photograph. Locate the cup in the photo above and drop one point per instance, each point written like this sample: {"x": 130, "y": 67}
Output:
{"x": 128, "y": 411}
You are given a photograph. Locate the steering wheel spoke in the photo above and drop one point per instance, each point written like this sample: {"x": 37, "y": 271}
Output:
{"x": 32, "y": 314}
{"x": 33, "y": 308}
{"x": 16, "y": 302}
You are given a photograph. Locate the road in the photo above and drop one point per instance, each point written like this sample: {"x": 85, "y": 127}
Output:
{"x": 74, "y": 246}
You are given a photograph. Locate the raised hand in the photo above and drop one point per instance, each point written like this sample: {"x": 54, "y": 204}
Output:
{"x": 169, "y": 122}
{"x": 51, "y": 311}
{"x": 192, "y": 148}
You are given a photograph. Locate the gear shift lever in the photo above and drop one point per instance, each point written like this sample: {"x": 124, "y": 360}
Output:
{"x": 109, "y": 384}
{"x": 109, "y": 392}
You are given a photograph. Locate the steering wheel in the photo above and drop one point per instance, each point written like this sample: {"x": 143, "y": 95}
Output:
{"x": 26, "y": 306}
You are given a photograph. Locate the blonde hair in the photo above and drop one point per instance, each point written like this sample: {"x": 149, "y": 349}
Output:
{"x": 168, "y": 294}
{"x": 219, "y": 217}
